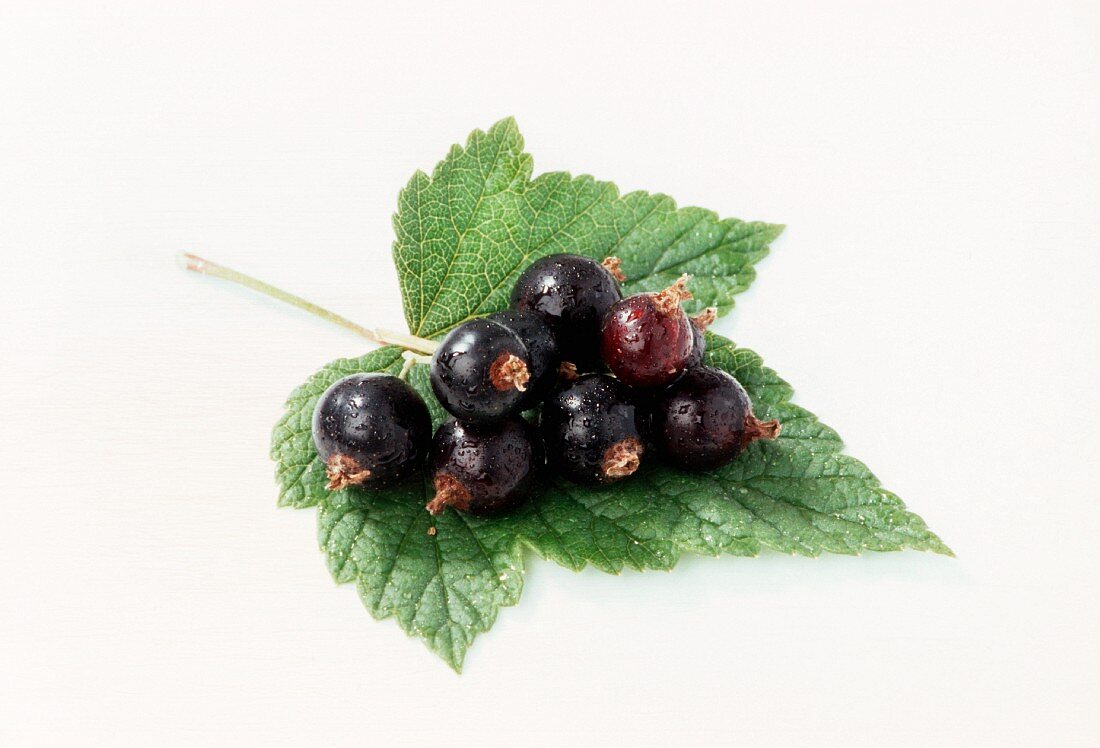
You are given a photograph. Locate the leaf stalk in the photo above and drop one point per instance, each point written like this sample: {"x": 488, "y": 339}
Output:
{"x": 379, "y": 336}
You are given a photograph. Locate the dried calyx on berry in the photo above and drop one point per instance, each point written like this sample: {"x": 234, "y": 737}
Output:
{"x": 705, "y": 420}
{"x": 484, "y": 469}
{"x": 647, "y": 339}
{"x": 567, "y": 371}
{"x": 542, "y": 360}
{"x": 614, "y": 266}
{"x": 370, "y": 429}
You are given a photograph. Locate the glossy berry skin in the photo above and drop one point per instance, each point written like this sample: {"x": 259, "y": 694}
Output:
{"x": 370, "y": 429}
{"x": 484, "y": 469}
{"x": 542, "y": 352}
{"x": 572, "y": 294}
{"x": 591, "y": 430}
{"x": 646, "y": 339}
{"x": 698, "y": 348}
{"x": 705, "y": 420}
{"x": 699, "y": 325}
{"x": 481, "y": 371}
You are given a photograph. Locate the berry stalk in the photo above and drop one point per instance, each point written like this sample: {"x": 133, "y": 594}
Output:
{"x": 411, "y": 359}
{"x": 381, "y": 337}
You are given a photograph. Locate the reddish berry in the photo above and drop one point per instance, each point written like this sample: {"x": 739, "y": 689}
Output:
{"x": 647, "y": 339}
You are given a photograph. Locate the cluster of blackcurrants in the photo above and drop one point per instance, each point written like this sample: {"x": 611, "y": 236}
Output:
{"x": 567, "y": 316}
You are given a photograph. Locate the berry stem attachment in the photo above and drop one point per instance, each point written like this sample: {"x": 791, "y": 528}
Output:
{"x": 614, "y": 266}
{"x": 342, "y": 471}
{"x": 756, "y": 429}
{"x": 449, "y": 491}
{"x": 622, "y": 458}
{"x": 203, "y": 266}
{"x": 705, "y": 318}
{"x": 411, "y": 360}
{"x": 668, "y": 301}
{"x": 509, "y": 372}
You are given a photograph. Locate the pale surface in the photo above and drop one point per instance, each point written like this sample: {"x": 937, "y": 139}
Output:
{"x": 934, "y": 299}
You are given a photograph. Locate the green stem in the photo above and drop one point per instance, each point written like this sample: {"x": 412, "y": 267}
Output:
{"x": 411, "y": 360}
{"x": 416, "y": 358}
{"x": 405, "y": 340}
{"x": 381, "y": 337}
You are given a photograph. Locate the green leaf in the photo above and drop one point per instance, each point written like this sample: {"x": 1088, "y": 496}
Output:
{"x": 466, "y": 232}
{"x": 445, "y": 587}
{"x": 463, "y": 234}
{"x": 797, "y": 494}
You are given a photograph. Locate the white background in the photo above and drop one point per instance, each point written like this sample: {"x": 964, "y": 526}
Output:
{"x": 934, "y": 298}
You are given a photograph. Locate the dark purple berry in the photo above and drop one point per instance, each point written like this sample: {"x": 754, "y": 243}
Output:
{"x": 647, "y": 339}
{"x": 705, "y": 420}
{"x": 481, "y": 371}
{"x": 370, "y": 429}
{"x": 484, "y": 469}
{"x": 591, "y": 430}
{"x": 542, "y": 352}
{"x": 699, "y": 324}
{"x": 572, "y": 294}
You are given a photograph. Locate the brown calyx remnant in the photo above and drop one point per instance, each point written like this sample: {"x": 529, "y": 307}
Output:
{"x": 757, "y": 429}
{"x": 614, "y": 266}
{"x": 567, "y": 370}
{"x": 342, "y": 471}
{"x": 622, "y": 458}
{"x": 508, "y": 371}
{"x": 705, "y": 318}
{"x": 449, "y": 491}
{"x": 668, "y": 301}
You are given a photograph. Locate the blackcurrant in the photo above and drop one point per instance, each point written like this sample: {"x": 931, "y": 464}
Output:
{"x": 591, "y": 430}
{"x": 646, "y": 339}
{"x": 572, "y": 294}
{"x": 482, "y": 369}
{"x": 705, "y": 420}
{"x": 484, "y": 469}
{"x": 370, "y": 429}
{"x": 542, "y": 352}
{"x": 699, "y": 324}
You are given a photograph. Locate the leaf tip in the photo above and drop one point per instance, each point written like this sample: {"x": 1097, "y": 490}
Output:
{"x": 505, "y": 123}
{"x": 938, "y": 546}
